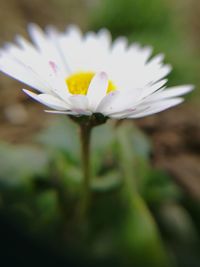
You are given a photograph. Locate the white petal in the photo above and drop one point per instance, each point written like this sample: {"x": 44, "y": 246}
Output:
{"x": 71, "y": 45}
{"x": 58, "y": 82}
{"x": 49, "y": 46}
{"x": 162, "y": 72}
{"x": 38, "y": 37}
{"x": 157, "y": 107}
{"x": 53, "y": 36}
{"x": 106, "y": 103}
{"x": 105, "y": 38}
{"x": 149, "y": 89}
{"x": 61, "y": 112}
{"x": 156, "y": 60}
{"x": 79, "y": 103}
{"x": 25, "y": 45}
{"x": 171, "y": 92}
{"x": 128, "y": 112}
{"x": 74, "y": 32}
{"x": 25, "y": 74}
{"x": 119, "y": 45}
{"x": 122, "y": 101}
{"x": 146, "y": 53}
{"x": 97, "y": 90}
{"x": 48, "y": 100}
{"x": 32, "y": 69}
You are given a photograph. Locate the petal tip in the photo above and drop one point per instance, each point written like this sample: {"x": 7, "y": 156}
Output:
{"x": 103, "y": 75}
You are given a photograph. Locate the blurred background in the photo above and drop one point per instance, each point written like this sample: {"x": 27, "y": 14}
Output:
{"x": 39, "y": 153}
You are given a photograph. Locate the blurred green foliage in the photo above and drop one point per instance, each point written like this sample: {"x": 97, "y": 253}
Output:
{"x": 41, "y": 190}
{"x": 126, "y": 17}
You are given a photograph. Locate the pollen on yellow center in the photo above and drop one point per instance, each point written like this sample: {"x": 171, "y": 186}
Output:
{"x": 78, "y": 83}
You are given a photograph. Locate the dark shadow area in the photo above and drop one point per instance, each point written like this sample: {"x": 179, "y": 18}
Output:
{"x": 18, "y": 250}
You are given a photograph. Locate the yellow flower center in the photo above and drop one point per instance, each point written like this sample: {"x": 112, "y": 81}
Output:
{"x": 78, "y": 83}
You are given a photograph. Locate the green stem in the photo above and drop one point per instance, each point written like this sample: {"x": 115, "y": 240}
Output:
{"x": 85, "y": 134}
{"x": 86, "y": 124}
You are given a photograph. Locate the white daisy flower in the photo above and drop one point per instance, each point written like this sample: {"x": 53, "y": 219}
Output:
{"x": 87, "y": 74}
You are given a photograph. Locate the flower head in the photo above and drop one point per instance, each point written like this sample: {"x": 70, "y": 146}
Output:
{"x": 87, "y": 74}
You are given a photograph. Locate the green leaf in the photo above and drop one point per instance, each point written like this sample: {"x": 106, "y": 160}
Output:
{"x": 140, "y": 233}
{"x": 107, "y": 182}
{"x": 158, "y": 187}
{"x": 141, "y": 236}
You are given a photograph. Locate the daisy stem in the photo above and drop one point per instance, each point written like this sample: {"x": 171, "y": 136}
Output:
{"x": 85, "y": 134}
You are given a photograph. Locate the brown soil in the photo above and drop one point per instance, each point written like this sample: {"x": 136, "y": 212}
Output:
{"x": 176, "y": 144}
